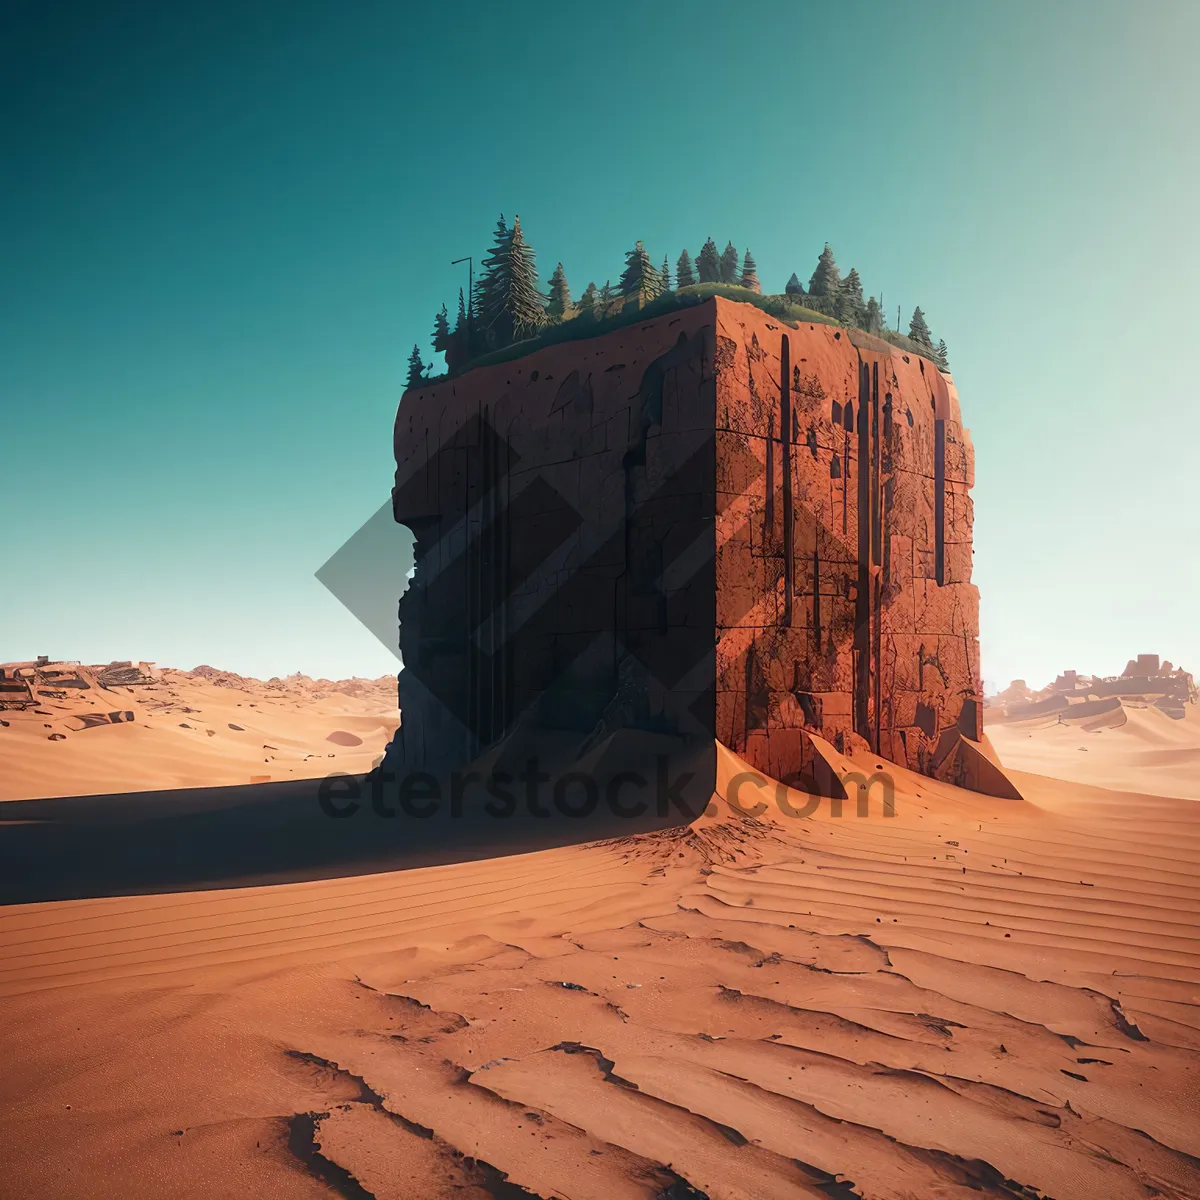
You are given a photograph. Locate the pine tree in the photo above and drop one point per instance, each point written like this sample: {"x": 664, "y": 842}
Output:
{"x": 441, "y": 330}
{"x": 941, "y": 355}
{"x": 587, "y": 302}
{"x": 794, "y": 286}
{"x": 458, "y": 350}
{"x": 511, "y": 307}
{"x": 708, "y": 263}
{"x": 873, "y": 317}
{"x": 729, "y": 264}
{"x": 665, "y": 275}
{"x": 640, "y": 277}
{"x": 848, "y": 304}
{"x": 826, "y": 277}
{"x": 492, "y": 274}
{"x": 560, "y": 294}
{"x": 416, "y": 369}
{"x": 918, "y": 330}
{"x": 685, "y": 275}
{"x": 526, "y": 306}
{"x": 750, "y": 273}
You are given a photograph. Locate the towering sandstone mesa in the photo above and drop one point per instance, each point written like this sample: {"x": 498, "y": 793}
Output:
{"x": 708, "y": 525}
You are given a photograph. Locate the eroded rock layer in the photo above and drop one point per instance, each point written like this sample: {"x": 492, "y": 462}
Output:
{"x": 862, "y": 625}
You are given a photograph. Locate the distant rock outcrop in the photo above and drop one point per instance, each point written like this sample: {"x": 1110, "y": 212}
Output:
{"x": 1144, "y": 680}
{"x": 21, "y": 683}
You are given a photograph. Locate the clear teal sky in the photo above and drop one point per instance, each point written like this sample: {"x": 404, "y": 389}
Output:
{"x": 224, "y": 225}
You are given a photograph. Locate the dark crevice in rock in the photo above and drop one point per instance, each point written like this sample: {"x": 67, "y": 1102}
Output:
{"x": 1125, "y": 1025}
{"x": 606, "y": 1065}
{"x": 303, "y": 1144}
{"x": 680, "y": 1189}
{"x": 365, "y": 1094}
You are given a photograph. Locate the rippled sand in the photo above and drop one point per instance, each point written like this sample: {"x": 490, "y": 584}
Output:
{"x": 971, "y": 998}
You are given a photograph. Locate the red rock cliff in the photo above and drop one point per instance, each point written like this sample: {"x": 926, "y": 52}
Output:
{"x": 707, "y": 521}
{"x": 844, "y": 598}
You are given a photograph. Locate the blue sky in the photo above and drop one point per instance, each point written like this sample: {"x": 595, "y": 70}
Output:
{"x": 224, "y": 226}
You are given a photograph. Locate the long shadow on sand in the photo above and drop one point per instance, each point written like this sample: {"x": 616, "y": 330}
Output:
{"x": 135, "y": 842}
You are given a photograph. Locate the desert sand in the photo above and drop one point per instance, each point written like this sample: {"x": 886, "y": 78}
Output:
{"x": 1135, "y": 747}
{"x": 973, "y": 997}
{"x": 192, "y": 729}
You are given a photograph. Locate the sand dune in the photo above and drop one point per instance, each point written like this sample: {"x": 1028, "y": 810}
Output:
{"x": 193, "y": 729}
{"x": 1134, "y": 747}
{"x": 973, "y": 997}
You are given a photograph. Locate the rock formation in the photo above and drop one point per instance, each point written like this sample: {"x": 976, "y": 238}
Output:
{"x": 708, "y": 525}
{"x": 1144, "y": 679}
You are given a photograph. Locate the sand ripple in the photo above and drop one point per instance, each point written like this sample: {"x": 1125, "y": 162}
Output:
{"x": 972, "y": 998}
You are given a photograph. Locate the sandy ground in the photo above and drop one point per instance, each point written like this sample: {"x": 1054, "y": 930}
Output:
{"x": 1135, "y": 748}
{"x": 193, "y": 730}
{"x": 970, "y": 998}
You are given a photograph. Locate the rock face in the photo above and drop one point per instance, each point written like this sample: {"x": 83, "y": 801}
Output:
{"x": 845, "y": 602}
{"x": 708, "y": 525}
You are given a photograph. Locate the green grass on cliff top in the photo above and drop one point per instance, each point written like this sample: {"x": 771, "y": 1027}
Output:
{"x": 579, "y": 327}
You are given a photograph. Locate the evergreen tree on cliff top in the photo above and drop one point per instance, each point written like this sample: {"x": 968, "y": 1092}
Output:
{"x": 416, "y": 369}
{"x": 941, "y": 355}
{"x": 441, "y": 330}
{"x": 918, "y": 330}
{"x": 560, "y": 294}
{"x": 606, "y": 295}
{"x": 525, "y": 306}
{"x": 750, "y": 273}
{"x": 587, "y": 302}
{"x": 491, "y": 272}
{"x": 708, "y": 263}
{"x": 729, "y": 264}
{"x": 826, "y": 277}
{"x": 685, "y": 276}
{"x": 665, "y": 275}
{"x": 511, "y": 307}
{"x": 873, "y": 317}
{"x": 457, "y": 348}
{"x": 640, "y": 277}
{"x": 794, "y": 286}
{"x": 848, "y": 304}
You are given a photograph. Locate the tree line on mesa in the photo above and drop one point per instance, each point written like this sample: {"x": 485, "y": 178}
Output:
{"x": 508, "y": 306}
